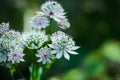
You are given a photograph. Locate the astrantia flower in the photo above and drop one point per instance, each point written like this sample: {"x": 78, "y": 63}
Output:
{"x": 11, "y": 39}
{"x": 8, "y": 42}
{"x": 64, "y": 23}
{"x": 16, "y": 56}
{"x": 34, "y": 39}
{"x": 44, "y": 55}
{"x": 53, "y": 10}
{"x": 4, "y": 27}
{"x": 40, "y": 21}
{"x": 62, "y": 44}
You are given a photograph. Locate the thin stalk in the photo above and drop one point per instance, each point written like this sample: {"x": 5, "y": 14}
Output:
{"x": 12, "y": 71}
{"x": 46, "y": 68}
{"x": 44, "y": 73}
{"x": 33, "y": 67}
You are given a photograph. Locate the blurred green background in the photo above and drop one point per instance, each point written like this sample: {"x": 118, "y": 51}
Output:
{"x": 95, "y": 26}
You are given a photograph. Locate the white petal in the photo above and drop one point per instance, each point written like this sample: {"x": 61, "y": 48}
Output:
{"x": 54, "y": 51}
{"x": 37, "y": 55}
{"x": 72, "y": 52}
{"x": 66, "y": 55}
{"x": 51, "y": 46}
{"x": 22, "y": 60}
{"x": 56, "y": 19}
{"x": 17, "y": 61}
{"x": 59, "y": 55}
{"x": 13, "y": 61}
{"x": 75, "y": 47}
{"x": 49, "y": 61}
{"x": 44, "y": 62}
{"x": 39, "y": 60}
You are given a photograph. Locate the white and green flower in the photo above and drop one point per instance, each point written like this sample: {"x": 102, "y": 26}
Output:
{"x": 62, "y": 44}
{"x": 34, "y": 39}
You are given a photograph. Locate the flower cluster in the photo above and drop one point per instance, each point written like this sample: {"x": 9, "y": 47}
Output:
{"x": 49, "y": 46}
{"x": 10, "y": 42}
{"x": 44, "y": 55}
{"x": 62, "y": 44}
{"x": 53, "y": 10}
{"x": 34, "y": 39}
{"x": 39, "y": 21}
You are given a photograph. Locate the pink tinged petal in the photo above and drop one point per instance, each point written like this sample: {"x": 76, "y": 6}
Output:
{"x": 54, "y": 51}
{"x": 72, "y": 52}
{"x": 59, "y": 55}
{"x": 66, "y": 55}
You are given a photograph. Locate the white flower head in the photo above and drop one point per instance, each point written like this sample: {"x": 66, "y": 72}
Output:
{"x": 11, "y": 39}
{"x": 53, "y": 10}
{"x": 44, "y": 55}
{"x": 39, "y": 21}
{"x": 62, "y": 44}
{"x": 8, "y": 42}
{"x": 64, "y": 24}
{"x": 34, "y": 39}
{"x": 4, "y": 27}
{"x": 16, "y": 56}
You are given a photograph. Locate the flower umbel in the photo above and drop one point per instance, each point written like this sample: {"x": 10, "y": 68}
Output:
{"x": 53, "y": 10}
{"x": 34, "y": 39}
{"x": 62, "y": 44}
{"x": 11, "y": 39}
{"x": 44, "y": 55}
{"x": 39, "y": 21}
{"x": 8, "y": 42}
{"x": 16, "y": 56}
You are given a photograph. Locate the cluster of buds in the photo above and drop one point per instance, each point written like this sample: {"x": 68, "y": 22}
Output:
{"x": 49, "y": 46}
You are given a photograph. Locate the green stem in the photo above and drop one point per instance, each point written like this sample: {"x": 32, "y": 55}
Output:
{"x": 12, "y": 71}
{"x": 44, "y": 73}
{"x": 46, "y": 68}
{"x": 35, "y": 69}
{"x": 33, "y": 66}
